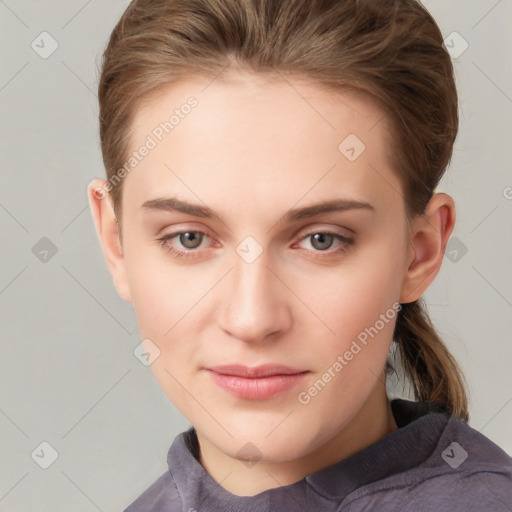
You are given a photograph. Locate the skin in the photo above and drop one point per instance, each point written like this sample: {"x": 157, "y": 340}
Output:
{"x": 253, "y": 149}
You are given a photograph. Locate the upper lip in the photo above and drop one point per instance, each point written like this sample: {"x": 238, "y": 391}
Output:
{"x": 264, "y": 370}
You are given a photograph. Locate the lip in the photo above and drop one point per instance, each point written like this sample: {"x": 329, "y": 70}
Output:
{"x": 256, "y": 383}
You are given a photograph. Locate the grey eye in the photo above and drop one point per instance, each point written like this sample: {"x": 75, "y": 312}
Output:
{"x": 191, "y": 239}
{"x": 321, "y": 241}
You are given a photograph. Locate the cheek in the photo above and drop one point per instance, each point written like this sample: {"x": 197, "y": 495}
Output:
{"x": 165, "y": 299}
{"x": 169, "y": 301}
{"x": 360, "y": 304}
{"x": 351, "y": 297}
{"x": 162, "y": 291}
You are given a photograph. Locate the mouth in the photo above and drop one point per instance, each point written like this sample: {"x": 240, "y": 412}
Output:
{"x": 256, "y": 383}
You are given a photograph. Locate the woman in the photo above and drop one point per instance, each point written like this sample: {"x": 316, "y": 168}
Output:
{"x": 270, "y": 211}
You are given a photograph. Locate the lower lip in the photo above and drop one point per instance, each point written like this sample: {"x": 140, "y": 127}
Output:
{"x": 258, "y": 388}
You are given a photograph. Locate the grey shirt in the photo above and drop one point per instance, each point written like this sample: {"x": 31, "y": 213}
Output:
{"x": 432, "y": 462}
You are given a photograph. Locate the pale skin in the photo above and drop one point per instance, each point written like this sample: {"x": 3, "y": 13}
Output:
{"x": 252, "y": 150}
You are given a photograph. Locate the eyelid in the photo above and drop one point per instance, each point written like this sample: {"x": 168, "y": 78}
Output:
{"x": 332, "y": 230}
{"x": 337, "y": 236}
{"x": 182, "y": 253}
{"x": 166, "y": 235}
{"x": 174, "y": 234}
{"x": 300, "y": 235}
{"x": 172, "y": 231}
{"x": 303, "y": 235}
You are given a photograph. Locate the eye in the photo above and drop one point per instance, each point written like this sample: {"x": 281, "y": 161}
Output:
{"x": 183, "y": 243}
{"x": 322, "y": 241}
{"x": 191, "y": 239}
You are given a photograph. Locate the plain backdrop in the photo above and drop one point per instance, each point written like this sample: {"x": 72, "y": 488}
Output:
{"x": 69, "y": 377}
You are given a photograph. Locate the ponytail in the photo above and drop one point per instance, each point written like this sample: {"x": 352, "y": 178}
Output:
{"x": 430, "y": 367}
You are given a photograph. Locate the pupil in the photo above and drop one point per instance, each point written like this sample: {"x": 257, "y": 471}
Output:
{"x": 322, "y": 241}
{"x": 190, "y": 240}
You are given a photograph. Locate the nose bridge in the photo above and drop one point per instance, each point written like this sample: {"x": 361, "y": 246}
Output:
{"x": 253, "y": 306}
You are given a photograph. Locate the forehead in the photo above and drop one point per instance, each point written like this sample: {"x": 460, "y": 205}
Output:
{"x": 248, "y": 104}
{"x": 260, "y": 138}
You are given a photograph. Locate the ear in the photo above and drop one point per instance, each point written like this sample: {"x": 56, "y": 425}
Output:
{"x": 108, "y": 233}
{"x": 430, "y": 235}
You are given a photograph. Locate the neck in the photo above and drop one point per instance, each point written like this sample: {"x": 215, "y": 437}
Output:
{"x": 372, "y": 422}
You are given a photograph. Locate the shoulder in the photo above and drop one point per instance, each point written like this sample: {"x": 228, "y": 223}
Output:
{"x": 466, "y": 471}
{"x": 464, "y": 451}
{"x": 160, "y": 496}
{"x": 481, "y": 451}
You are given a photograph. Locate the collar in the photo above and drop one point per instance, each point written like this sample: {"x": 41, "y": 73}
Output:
{"x": 420, "y": 426}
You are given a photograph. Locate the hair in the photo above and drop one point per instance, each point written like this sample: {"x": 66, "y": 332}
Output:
{"x": 389, "y": 49}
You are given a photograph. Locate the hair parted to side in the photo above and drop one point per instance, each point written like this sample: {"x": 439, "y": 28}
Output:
{"x": 390, "y": 49}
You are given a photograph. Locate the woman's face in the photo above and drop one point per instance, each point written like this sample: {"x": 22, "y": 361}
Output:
{"x": 265, "y": 246}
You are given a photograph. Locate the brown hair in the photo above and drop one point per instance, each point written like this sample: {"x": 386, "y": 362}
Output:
{"x": 390, "y": 49}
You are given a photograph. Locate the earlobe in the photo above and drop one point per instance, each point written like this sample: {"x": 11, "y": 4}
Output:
{"x": 107, "y": 230}
{"x": 431, "y": 232}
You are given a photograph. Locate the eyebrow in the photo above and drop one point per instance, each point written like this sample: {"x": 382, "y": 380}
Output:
{"x": 334, "y": 205}
{"x": 177, "y": 205}
{"x": 196, "y": 210}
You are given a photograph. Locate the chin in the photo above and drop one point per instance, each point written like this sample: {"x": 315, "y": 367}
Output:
{"x": 283, "y": 444}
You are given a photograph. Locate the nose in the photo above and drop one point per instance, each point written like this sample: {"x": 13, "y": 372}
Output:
{"x": 255, "y": 304}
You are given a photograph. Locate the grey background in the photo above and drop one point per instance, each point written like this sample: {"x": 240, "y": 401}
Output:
{"x": 68, "y": 373}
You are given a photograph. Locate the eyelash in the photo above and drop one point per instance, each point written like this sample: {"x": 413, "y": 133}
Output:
{"x": 178, "y": 253}
{"x": 191, "y": 253}
{"x": 345, "y": 241}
